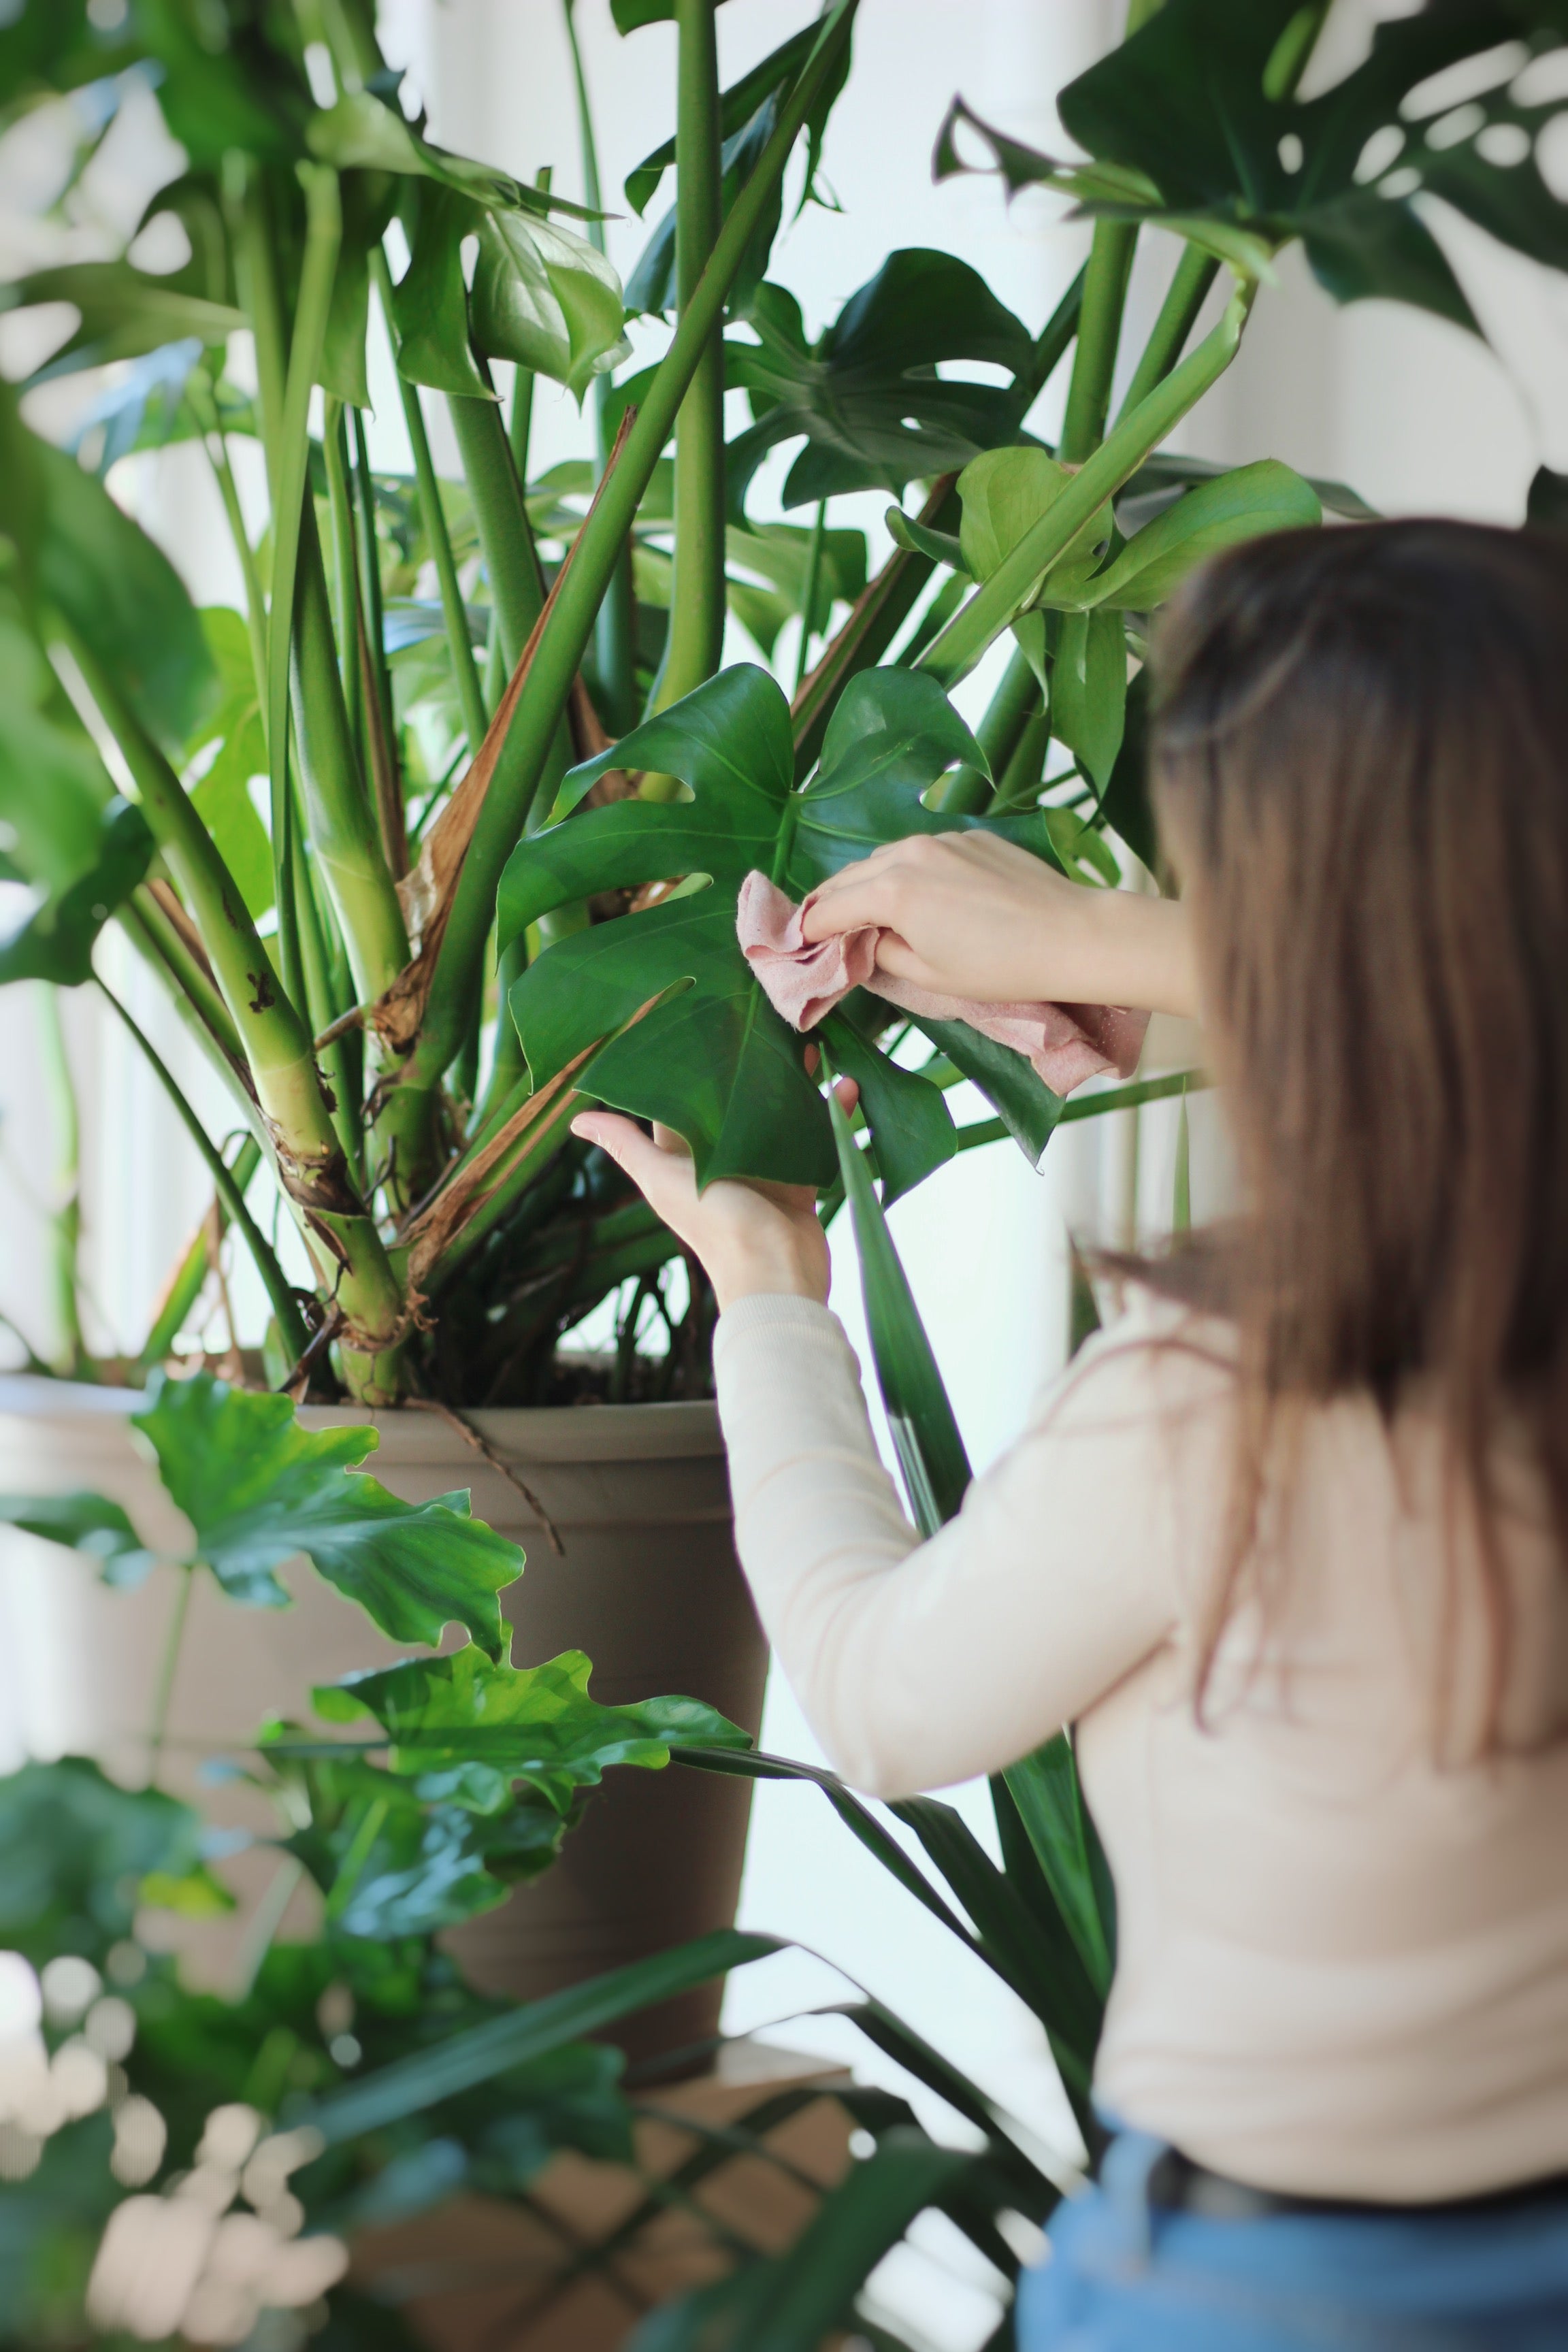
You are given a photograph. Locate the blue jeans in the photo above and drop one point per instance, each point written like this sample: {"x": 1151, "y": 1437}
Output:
{"x": 1125, "y": 2275}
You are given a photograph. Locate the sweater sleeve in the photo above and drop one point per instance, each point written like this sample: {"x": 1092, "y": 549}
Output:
{"x": 923, "y": 1663}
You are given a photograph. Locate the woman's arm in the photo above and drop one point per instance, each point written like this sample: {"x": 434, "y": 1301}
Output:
{"x": 917, "y": 1665}
{"x": 967, "y": 915}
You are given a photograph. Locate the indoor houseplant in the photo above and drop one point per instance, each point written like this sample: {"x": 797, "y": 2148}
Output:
{"x": 1193, "y": 126}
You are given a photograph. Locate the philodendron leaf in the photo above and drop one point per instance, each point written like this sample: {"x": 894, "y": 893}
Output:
{"x": 867, "y": 397}
{"x": 709, "y": 1056}
{"x": 259, "y": 1490}
{"x": 1195, "y": 121}
{"x": 1233, "y": 506}
{"x": 533, "y": 1724}
{"x": 122, "y": 313}
{"x": 75, "y": 1853}
{"x": 86, "y": 1523}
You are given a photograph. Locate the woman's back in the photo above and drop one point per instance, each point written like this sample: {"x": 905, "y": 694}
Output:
{"x": 1343, "y": 1931}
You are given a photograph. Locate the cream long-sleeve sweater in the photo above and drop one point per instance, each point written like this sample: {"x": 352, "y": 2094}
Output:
{"x": 1343, "y": 1948}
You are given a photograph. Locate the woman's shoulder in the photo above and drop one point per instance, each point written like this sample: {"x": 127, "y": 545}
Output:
{"x": 1154, "y": 1355}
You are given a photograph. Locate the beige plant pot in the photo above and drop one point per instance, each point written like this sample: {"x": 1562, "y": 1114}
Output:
{"x": 647, "y": 1585}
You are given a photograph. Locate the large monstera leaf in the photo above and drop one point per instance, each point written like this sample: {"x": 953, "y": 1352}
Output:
{"x": 708, "y": 1055}
{"x": 1195, "y": 121}
{"x": 867, "y": 396}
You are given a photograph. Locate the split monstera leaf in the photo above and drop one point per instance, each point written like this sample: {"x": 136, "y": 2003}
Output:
{"x": 708, "y": 1055}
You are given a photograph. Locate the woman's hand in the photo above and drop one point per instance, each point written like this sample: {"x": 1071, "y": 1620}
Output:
{"x": 968, "y": 915}
{"x": 748, "y": 1238}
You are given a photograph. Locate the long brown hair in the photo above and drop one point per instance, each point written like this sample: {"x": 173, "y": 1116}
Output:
{"x": 1360, "y": 767}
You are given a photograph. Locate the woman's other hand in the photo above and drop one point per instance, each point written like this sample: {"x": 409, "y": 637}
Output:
{"x": 967, "y": 915}
{"x": 748, "y": 1238}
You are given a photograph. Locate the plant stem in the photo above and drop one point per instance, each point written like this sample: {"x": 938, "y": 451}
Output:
{"x": 257, "y": 269}
{"x": 206, "y": 416}
{"x": 697, "y": 599}
{"x": 168, "y": 1665}
{"x": 966, "y": 791}
{"x": 1195, "y": 274}
{"x": 515, "y": 782}
{"x": 289, "y": 449}
{"x": 615, "y": 640}
{"x": 511, "y": 566}
{"x": 808, "y": 601}
{"x": 342, "y": 1236}
{"x": 285, "y": 1305}
{"x": 370, "y": 576}
{"x": 150, "y": 931}
{"x": 65, "y": 1218}
{"x": 185, "y": 1287}
{"x": 454, "y": 611}
{"x": 1099, "y": 333}
{"x": 345, "y": 575}
{"x": 1050, "y": 347}
{"x": 993, "y": 606}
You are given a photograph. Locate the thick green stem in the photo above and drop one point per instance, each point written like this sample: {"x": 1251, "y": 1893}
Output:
{"x": 340, "y": 821}
{"x": 808, "y": 600}
{"x": 370, "y": 575}
{"x": 285, "y": 1305}
{"x": 1099, "y": 333}
{"x": 345, "y": 575}
{"x": 217, "y": 446}
{"x": 511, "y": 565}
{"x": 321, "y": 1001}
{"x": 878, "y": 613}
{"x": 155, "y": 939}
{"x": 65, "y": 1217}
{"x": 993, "y": 606}
{"x": 697, "y": 604}
{"x": 1195, "y": 273}
{"x": 341, "y": 1236}
{"x": 1050, "y": 347}
{"x": 515, "y": 782}
{"x": 290, "y": 490}
{"x": 257, "y": 269}
{"x": 186, "y": 1289}
{"x": 614, "y": 636}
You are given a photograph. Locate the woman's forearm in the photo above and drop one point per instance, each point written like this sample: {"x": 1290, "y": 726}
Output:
{"x": 1116, "y": 946}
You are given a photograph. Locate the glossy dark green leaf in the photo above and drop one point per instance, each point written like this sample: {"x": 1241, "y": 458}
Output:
{"x": 86, "y": 1523}
{"x": 1163, "y": 475}
{"x": 1045, "y": 1789}
{"x": 124, "y": 314}
{"x": 909, "y": 1117}
{"x": 867, "y": 397}
{"x": 742, "y": 101}
{"x": 711, "y": 1058}
{"x": 259, "y": 1490}
{"x": 430, "y": 300}
{"x": 496, "y": 1723}
{"x": 1125, "y": 803}
{"x": 547, "y": 299}
{"x": 1089, "y": 690}
{"x": 464, "y": 2059}
{"x": 780, "y": 552}
{"x": 1195, "y": 121}
{"x": 1233, "y": 506}
{"x": 367, "y": 200}
{"x": 921, "y": 1419}
{"x": 55, "y": 941}
{"x": 1029, "y": 1109}
{"x": 365, "y": 132}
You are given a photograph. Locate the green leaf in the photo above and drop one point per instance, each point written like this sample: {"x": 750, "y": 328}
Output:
{"x": 222, "y": 798}
{"x": 792, "y": 2301}
{"x": 741, "y": 103}
{"x": 524, "y": 2034}
{"x": 711, "y": 1058}
{"x": 363, "y": 132}
{"x": 1089, "y": 690}
{"x": 122, "y": 597}
{"x": 1233, "y": 506}
{"x": 54, "y": 788}
{"x": 534, "y": 1724}
{"x": 925, "y": 1434}
{"x": 1045, "y": 1789}
{"x": 1029, "y": 1109}
{"x": 780, "y": 552}
{"x": 873, "y": 411}
{"x": 259, "y": 1490}
{"x": 86, "y": 1523}
{"x": 367, "y": 200}
{"x": 55, "y": 941}
{"x": 909, "y": 1117}
{"x": 1125, "y": 805}
{"x": 75, "y": 1848}
{"x": 1005, "y": 494}
{"x": 124, "y": 314}
{"x": 548, "y": 300}
{"x": 430, "y": 300}
{"x": 652, "y": 288}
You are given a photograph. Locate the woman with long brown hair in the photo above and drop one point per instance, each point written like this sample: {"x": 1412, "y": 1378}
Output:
{"x": 1287, "y": 1542}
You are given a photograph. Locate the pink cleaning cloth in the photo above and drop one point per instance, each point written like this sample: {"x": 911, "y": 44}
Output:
{"x": 1065, "y": 1043}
